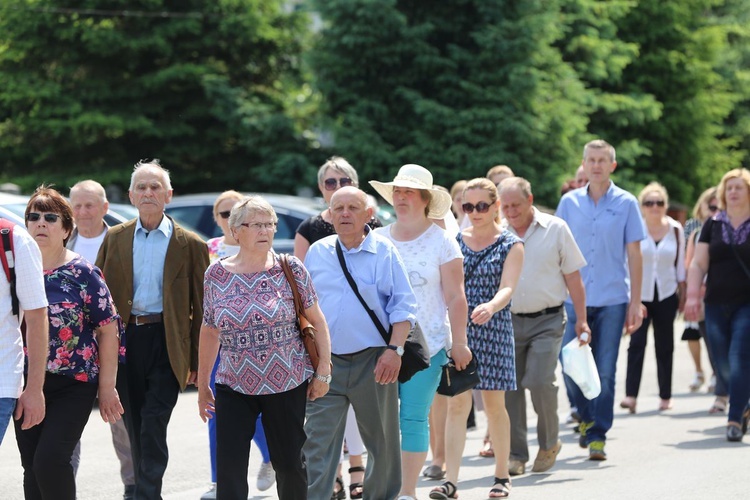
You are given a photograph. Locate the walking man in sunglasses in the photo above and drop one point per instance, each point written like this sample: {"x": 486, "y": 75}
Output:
{"x": 551, "y": 269}
{"x": 607, "y": 225}
{"x": 155, "y": 270}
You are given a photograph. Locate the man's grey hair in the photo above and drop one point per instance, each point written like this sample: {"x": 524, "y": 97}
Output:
{"x": 90, "y": 186}
{"x": 154, "y": 164}
{"x": 518, "y": 183}
{"x": 600, "y": 144}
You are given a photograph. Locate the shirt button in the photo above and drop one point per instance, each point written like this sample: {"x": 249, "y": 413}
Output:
{"x": 130, "y": 302}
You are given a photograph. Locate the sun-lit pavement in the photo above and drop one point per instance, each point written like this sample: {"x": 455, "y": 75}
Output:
{"x": 681, "y": 453}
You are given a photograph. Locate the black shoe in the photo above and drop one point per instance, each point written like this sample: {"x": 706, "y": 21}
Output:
{"x": 129, "y": 492}
{"x": 734, "y": 433}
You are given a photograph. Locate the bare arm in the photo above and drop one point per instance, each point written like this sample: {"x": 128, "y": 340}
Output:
{"x": 696, "y": 272}
{"x": 31, "y": 405}
{"x": 452, "y": 281}
{"x": 511, "y": 272}
{"x": 635, "y": 267}
{"x": 323, "y": 342}
{"x": 301, "y": 246}
{"x": 578, "y": 296}
{"x": 110, "y": 407}
{"x": 207, "y": 352}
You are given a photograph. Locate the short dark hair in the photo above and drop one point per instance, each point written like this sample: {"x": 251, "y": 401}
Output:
{"x": 47, "y": 199}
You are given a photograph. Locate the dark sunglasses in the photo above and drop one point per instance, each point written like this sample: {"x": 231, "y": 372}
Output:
{"x": 225, "y": 214}
{"x": 330, "y": 183}
{"x": 713, "y": 208}
{"x": 35, "y": 216}
{"x": 651, "y": 203}
{"x": 482, "y": 207}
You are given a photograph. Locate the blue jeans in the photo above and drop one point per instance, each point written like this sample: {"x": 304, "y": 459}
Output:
{"x": 606, "y": 325}
{"x": 7, "y": 405}
{"x": 728, "y": 335}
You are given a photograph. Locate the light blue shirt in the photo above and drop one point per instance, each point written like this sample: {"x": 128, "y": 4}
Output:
{"x": 382, "y": 280}
{"x": 149, "y": 254}
{"x": 602, "y": 231}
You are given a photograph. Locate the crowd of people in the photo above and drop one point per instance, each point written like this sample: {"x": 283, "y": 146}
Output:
{"x": 476, "y": 275}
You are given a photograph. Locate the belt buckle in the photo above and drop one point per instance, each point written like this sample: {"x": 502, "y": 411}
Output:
{"x": 138, "y": 320}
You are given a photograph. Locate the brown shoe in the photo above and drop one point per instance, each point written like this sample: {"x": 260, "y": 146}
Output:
{"x": 516, "y": 467}
{"x": 545, "y": 459}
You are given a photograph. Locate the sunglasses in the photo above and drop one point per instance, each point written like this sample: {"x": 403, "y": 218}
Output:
{"x": 482, "y": 207}
{"x": 651, "y": 203}
{"x": 225, "y": 214}
{"x": 35, "y": 216}
{"x": 330, "y": 183}
{"x": 713, "y": 208}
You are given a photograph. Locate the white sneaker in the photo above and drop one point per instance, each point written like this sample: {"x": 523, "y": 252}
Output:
{"x": 266, "y": 476}
{"x": 210, "y": 494}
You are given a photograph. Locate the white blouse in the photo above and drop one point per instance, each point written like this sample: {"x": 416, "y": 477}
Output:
{"x": 659, "y": 266}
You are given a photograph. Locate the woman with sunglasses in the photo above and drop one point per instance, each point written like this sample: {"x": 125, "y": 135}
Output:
{"x": 723, "y": 253}
{"x": 219, "y": 248}
{"x": 332, "y": 176}
{"x": 84, "y": 343}
{"x": 662, "y": 293}
{"x": 493, "y": 258}
{"x": 705, "y": 207}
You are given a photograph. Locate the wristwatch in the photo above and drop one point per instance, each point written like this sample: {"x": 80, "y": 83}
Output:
{"x": 326, "y": 379}
{"x": 399, "y": 349}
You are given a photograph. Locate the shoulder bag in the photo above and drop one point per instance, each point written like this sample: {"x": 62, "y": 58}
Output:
{"x": 416, "y": 353}
{"x": 306, "y": 330}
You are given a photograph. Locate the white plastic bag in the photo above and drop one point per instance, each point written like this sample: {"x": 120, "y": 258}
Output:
{"x": 578, "y": 364}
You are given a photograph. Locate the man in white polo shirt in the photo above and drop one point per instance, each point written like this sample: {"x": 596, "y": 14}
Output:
{"x": 550, "y": 270}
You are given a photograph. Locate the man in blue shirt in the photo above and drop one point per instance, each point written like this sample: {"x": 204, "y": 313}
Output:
{"x": 606, "y": 223}
{"x": 365, "y": 370}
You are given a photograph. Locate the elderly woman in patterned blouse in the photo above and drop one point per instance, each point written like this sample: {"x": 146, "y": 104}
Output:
{"x": 263, "y": 366}
{"x": 84, "y": 330}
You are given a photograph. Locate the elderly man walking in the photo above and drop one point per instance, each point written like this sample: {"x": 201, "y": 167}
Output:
{"x": 550, "y": 270}
{"x": 155, "y": 270}
{"x": 365, "y": 369}
{"x": 89, "y": 201}
{"x": 606, "y": 223}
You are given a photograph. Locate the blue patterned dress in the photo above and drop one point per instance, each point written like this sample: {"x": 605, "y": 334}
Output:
{"x": 491, "y": 343}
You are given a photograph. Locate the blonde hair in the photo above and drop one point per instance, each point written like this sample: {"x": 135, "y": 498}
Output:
{"x": 500, "y": 170}
{"x": 737, "y": 173}
{"x": 226, "y": 195}
{"x": 457, "y": 187}
{"x": 653, "y": 187}
{"x": 703, "y": 199}
{"x": 487, "y": 185}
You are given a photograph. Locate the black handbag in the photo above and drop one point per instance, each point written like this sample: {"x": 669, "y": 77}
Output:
{"x": 453, "y": 382}
{"x": 416, "y": 353}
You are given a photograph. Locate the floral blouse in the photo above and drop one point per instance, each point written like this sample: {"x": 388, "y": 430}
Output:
{"x": 79, "y": 302}
{"x": 261, "y": 348}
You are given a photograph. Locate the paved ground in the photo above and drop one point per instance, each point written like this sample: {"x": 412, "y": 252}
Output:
{"x": 680, "y": 453}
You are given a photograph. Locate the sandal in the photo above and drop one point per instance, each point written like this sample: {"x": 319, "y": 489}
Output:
{"x": 697, "y": 382}
{"x": 487, "y": 451}
{"x": 444, "y": 491}
{"x": 719, "y": 406}
{"x": 338, "y": 494}
{"x": 501, "y": 489}
{"x": 355, "y": 485}
{"x": 434, "y": 472}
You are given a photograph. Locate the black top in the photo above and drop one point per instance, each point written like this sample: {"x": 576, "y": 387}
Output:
{"x": 727, "y": 282}
{"x": 315, "y": 228}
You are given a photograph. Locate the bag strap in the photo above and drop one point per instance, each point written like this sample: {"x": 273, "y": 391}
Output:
{"x": 386, "y": 335}
{"x": 677, "y": 242}
{"x": 8, "y": 260}
{"x": 737, "y": 256}
{"x": 470, "y": 273}
{"x": 284, "y": 260}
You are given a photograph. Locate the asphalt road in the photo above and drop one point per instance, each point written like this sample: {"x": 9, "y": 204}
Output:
{"x": 681, "y": 453}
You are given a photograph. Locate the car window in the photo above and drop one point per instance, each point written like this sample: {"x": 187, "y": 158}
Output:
{"x": 195, "y": 219}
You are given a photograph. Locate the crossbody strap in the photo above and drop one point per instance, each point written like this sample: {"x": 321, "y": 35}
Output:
{"x": 9, "y": 264}
{"x": 386, "y": 335}
{"x": 468, "y": 275}
{"x": 737, "y": 256}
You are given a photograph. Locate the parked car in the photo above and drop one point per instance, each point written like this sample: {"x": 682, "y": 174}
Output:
{"x": 15, "y": 204}
{"x": 195, "y": 211}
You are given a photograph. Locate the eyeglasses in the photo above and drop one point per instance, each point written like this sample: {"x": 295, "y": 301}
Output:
{"x": 225, "y": 214}
{"x": 651, "y": 203}
{"x": 257, "y": 226}
{"x": 330, "y": 183}
{"x": 482, "y": 207}
{"x": 35, "y": 216}
{"x": 713, "y": 208}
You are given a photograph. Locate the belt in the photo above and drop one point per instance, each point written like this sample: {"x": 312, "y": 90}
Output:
{"x": 146, "y": 319}
{"x": 549, "y": 310}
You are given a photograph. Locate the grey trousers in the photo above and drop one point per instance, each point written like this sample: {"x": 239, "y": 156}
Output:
{"x": 376, "y": 409}
{"x": 538, "y": 342}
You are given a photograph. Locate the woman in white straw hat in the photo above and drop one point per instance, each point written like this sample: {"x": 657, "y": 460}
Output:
{"x": 435, "y": 266}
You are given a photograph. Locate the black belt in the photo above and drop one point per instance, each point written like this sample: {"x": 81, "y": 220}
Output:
{"x": 549, "y": 310}
{"x": 146, "y": 319}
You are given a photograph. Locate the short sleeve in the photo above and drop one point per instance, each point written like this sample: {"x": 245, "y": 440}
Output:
{"x": 450, "y": 249}
{"x": 571, "y": 258}
{"x": 304, "y": 282}
{"x": 98, "y": 301}
{"x": 208, "y": 296}
{"x": 304, "y": 229}
{"x": 29, "y": 275}
{"x": 705, "y": 234}
{"x": 634, "y": 225}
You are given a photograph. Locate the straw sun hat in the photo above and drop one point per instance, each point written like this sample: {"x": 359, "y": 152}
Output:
{"x": 416, "y": 177}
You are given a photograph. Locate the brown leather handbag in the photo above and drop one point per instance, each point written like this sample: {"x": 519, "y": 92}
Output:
{"x": 306, "y": 329}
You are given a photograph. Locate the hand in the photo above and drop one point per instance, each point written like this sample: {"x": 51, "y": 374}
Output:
{"x": 461, "y": 355}
{"x": 692, "y": 309}
{"x": 482, "y": 314}
{"x": 583, "y": 332}
{"x": 387, "y": 368}
{"x": 192, "y": 378}
{"x": 634, "y": 319}
{"x": 32, "y": 407}
{"x": 110, "y": 407}
{"x": 206, "y": 403}
{"x": 317, "y": 389}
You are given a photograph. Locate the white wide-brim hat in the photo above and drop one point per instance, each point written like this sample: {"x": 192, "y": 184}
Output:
{"x": 416, "y": 177}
